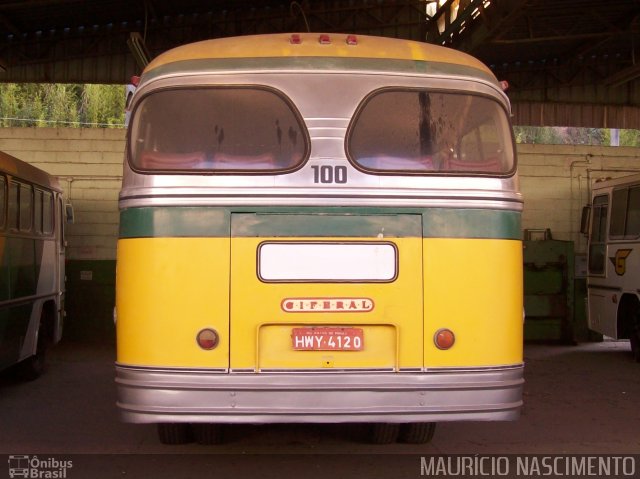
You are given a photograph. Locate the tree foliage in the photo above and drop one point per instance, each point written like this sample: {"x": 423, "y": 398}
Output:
{"x": 103, "y": 106}
{"x": 556, "y": 135}
{"x": 58, "y": 104}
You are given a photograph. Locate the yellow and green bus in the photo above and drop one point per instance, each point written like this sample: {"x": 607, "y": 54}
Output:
{"x": 32, "y": 265}
{"x": 318, "y": 228}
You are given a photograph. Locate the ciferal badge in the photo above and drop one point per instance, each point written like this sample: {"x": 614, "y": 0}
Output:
{"x": 327, "y": 305}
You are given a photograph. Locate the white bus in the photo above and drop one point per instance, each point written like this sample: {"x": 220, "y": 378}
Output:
{"x": 613, "y": 227}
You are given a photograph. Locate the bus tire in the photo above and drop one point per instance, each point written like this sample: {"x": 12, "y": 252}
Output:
{"x": 417, "y": 432}
{"x": 629, "y": 324}
{"x": 384, "y": 433}
{"x": 634, "y": 339}
{"x": 208, "y": 434}
{"x": 174, "y": 433}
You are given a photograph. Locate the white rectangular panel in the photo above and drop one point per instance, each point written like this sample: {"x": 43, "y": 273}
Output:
{"x": 327, "y": 262}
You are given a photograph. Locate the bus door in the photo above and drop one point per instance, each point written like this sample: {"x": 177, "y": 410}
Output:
{"x": 324, "y": 291}
{"x": 62, "y": 247}
{"x": 598, "y": 298}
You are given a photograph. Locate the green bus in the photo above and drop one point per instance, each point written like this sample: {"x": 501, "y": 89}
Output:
{"x": 32, "y": 265}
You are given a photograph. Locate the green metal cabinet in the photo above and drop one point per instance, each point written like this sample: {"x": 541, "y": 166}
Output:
{"x": 549, "y": 291}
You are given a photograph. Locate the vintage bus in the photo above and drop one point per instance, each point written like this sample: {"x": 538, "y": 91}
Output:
{"x": 33, "y": 265}
{"x": 613, "y": 282}
{"x": 318, "y": 229}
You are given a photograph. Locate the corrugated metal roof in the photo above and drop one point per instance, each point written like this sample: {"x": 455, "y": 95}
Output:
{"x": 565, "y": 54}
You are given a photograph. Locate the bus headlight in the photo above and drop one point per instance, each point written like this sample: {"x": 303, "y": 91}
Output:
{"x": 208, "y": 339}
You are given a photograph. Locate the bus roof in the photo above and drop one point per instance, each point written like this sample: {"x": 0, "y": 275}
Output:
{"x": 314, "y": 45}
{"x": 600, "y": 184}
{"x": 22, "y": 170}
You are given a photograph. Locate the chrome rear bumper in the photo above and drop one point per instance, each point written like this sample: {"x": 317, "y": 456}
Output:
{"x": 148, "y": 395}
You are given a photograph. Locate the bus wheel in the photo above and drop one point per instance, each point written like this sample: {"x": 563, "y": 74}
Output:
{"x": 207, "y": 434}
{"x": 634, "y": 339}
{"x": 631, "y": 326}
{"x": 417, "y": 432}
{"x": 33, "y": 367}
{"x": 174, "y": 433}
{"x": 384, "y": 433}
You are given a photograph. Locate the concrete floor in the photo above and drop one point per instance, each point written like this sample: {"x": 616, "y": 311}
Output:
{"x": 578, "y": 400}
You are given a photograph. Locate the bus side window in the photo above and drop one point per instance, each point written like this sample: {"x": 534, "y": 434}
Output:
{"x": 13, "y": 205}
{"x": 633, "y": 213}
{"x": 3, "y": 194}
{"x": 61, "y": 223}
{"x": 625, "y": 213}
{"x": 597, "y": 248}
{"x": 37, "y": 212}
{"x": 26, "y": 207}
{"x": 619, "y": 200}
{"x": 428, "y": 131}
{"x": 47, "y": 213}
{"x": 584, "y": 219}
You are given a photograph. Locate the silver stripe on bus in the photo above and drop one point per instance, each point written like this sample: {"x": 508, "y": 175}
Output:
{"x": 304, "y": 200}
{"x": 604, "y": 287}
{"x": 26, "y": 299}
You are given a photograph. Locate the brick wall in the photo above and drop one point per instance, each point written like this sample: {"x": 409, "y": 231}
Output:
{"x": 554, "y": 181}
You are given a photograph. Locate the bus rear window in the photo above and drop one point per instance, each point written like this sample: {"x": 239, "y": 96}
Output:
{"x": 426, "y": 132}
{"x": 217, "y": 129}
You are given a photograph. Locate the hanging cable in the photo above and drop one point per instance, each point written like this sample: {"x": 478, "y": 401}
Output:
{"x": 304, "y": 16}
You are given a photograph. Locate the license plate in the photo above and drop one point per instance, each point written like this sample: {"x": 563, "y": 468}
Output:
{"x": 327, "y": 339}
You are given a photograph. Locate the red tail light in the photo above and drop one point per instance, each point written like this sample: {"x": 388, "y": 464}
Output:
{"x": 444, "y": 339}
{"x": 208, "y": 339}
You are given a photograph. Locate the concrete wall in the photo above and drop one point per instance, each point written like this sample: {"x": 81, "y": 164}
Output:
{"x": 88, "y": 163}
{"x": 554, "y": 181}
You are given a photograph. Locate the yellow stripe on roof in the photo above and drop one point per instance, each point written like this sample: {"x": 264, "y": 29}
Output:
{"x": 279, "y": 45}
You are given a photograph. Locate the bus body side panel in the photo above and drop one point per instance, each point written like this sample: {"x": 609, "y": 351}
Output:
{"x": 23, "y": 296}
{"x": 474, "y": 288}
{"x": 159, "y": 316}
{"x": 622, "y": 276}
{"x": 603, "y": 311}
{"x": 46, "y": 291}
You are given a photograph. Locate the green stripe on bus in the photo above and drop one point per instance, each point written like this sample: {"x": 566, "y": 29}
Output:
{"x": 203, "y": 221}
{"x": 174, "y": 222}
{"x": 471, "y": 223}
{"x": 317, "y": 63}
{"x": 335, "y": 225}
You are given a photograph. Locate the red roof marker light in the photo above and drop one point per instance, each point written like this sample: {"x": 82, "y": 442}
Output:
{"x": 324, "y": 39}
